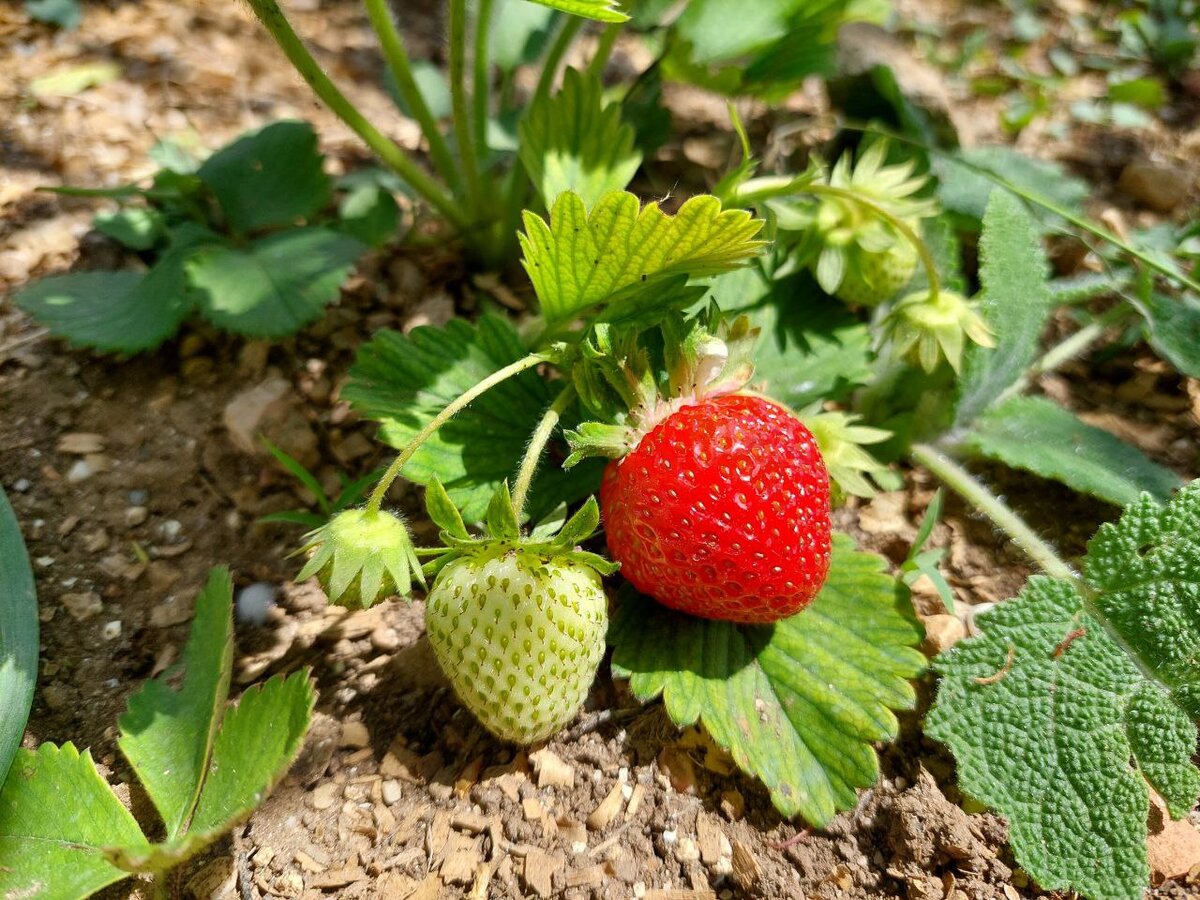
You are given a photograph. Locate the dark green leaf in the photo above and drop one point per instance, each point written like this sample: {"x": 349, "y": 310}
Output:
{"x": 63, "y": 13}
{"x": 137, "y": 227}
{"x": 273, "y": 176}
{"x": 113, "y": 311}
{"x": 167, "y": 735}
{"x": 965, "y": 190}
{"x": 811, "y": 347}
{"x": 57, "y": 815}
{"x": 1016, "y": 303}
{"x": 18, "y": 636}
{"x": 1036, "y": 435}
{"x": 276, "y": 285}
{"x": 405, "y": 380}
{"x": 799, "y": 704}
{"x": 1173, "y": 329}
{"x": 371, "y": 214}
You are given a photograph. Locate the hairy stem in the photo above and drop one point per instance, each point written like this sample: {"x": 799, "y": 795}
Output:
{"x": 537, "y": 443}
{"x": 482, "y": 63}
{"x": 387, "y": 150}
{"x": 452, "y": 409}
{"x": 401, "y": 69}
{"x": 974, "y": 492}
{"x": 458, "y": 98}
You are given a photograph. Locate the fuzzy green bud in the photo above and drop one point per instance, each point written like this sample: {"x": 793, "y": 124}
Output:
{"x": 362, "y": 556}
{"x": 927, "y": 329}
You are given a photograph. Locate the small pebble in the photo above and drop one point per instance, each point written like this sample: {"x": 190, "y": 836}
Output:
{"x": 136, "y": 515}
{"x": 138, "y": 497}
{"x": 112, "y": 630}
{"x": 254, "y": 603}
{"x": 391, "y": 791}
{"x": 170, "y": 530}
{"x": 80, "y": 470}
{"x": 21, "y": 485}
{"x": 385, "y": 639}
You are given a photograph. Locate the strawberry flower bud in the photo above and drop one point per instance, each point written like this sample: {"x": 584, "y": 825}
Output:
{"x": 928, "y": 329}
{"x": 362, "y": 556}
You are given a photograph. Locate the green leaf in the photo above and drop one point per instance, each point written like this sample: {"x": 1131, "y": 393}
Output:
{"x": 598, "y": 10}
{"x": 137, "y": 227}
{"x": 273, "y": 176}
{"x": 277, "y": 284}
{"x": 167, "y": 733}
{"x": 18, "y": 636}
{"x": 1172, "y": 324}
{"x": 370, "y": 214}
{"x": 1016, "y": 302}
{"x": 1045, "y": 711}
{"x": 964, "y": 188}
{"x": 432, "y": 85}
{"x": 581, "y": 260}
{"x": 1037, "y": 435}
{"x": 56, "y": 817}
{"x": 259, "y": 739}
{"x": 799, "y": 704}
{"x": 519, "y": 30}
{"x": 442, "y": 511}
{"x": 63, "y": 13}
{"x": 574, "y": 142}
{"x": 811, "y": 347}
{"x": 113, "y": 311}
{"x": 403, "y": 381}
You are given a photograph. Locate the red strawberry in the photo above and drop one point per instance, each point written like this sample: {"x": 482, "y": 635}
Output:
{"x": 722, "y": 511}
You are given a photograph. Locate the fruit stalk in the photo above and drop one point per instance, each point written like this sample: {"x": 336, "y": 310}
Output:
{"x": 481, "y": 63}
{"x": 970, "y": 489}
{"x": 451, "y": 409}
{"x": 387, "y": 150}
{"x": 537, "y": 443}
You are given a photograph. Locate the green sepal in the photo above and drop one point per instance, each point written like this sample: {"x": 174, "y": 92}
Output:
{"x": 601, "y": 564}
{"x": 501, "y": 517}
{"x": 362, "y": 556}
{"x": 442, "y": 511}
{"x": 597, "y": 439}
{"x": 580, "y": 526}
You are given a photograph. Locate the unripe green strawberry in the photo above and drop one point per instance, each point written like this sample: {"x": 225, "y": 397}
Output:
{"x": 362, "y": 556}
{"x": 520, "y": 634}
{"x": 873, "y": 278}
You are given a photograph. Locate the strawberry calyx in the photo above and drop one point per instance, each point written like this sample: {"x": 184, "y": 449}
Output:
{"x": 361, "y": 556}
{"x": 502, "y": 535}
{"x": 631, "y": 380}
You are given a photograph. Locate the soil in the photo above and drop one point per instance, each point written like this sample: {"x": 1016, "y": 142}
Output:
{"x": 130, "y": 485}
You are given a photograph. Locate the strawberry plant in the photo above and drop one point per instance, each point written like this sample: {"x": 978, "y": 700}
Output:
{"x": 221, "y": 239}
{"x": 18, "y": 636}
{"x": 204, "y": 764}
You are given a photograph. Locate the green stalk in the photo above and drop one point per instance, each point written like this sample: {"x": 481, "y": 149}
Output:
{"x": 388, "y": 151}
{"x": 1066, "y": 350}
{"x": 482, "y": 64}
{"x": 604, "y": 49}
{"x": 537, "y": 443}
{"x": 974, "y": 492}
{"x": 398, "y": 62}
{"x": 514, "y": 188}
{"x": 452, "y": 409}
{"x": 458, "y": 98}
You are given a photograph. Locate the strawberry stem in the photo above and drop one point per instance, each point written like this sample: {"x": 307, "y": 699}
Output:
{"x": 452, "y": 409}
{"x": 906, "y": 230}
{"x": 974, "y": 492}
{"x": 537, "y": 443}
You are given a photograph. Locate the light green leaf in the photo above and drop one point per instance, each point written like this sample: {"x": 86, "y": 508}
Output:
{"x": 811, "y": 347}
{"x": 273, "y": 176}
{"x": 519, "y": 30}
{"x": 369, "y": 213}
{"x": 1016, "y": 302}
{"x": 1045, "y": 711}
{"x": 137, "y": 227}
{"x": 1036, "y": 435}
{"x": 259, "y": 739}
{"x": 56, "y": 817}
{"x": 113, "y": 311}
{"x": 63, "y": 13}
{"x": 167, "y": 733}
{"x": 405, "y": 380}
{"x": 598, "y": 10}
{"x": 800, "y": 704}
{"x": 964, "y": 188}
{"x": 581, "y": 260}
{"x": 18, "y": 636}
{"x": 276, "y": 285}
{"x": 574, "y": 142}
